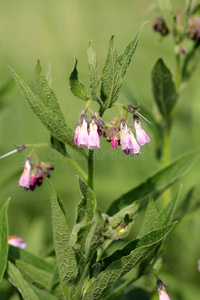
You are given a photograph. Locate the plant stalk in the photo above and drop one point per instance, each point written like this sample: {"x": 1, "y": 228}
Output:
{"x": 90, "y": 168}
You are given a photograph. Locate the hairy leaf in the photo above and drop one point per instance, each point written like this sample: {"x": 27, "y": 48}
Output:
{"x": 112, "y": 76}
{"x": 190, "y": 63}
{"x": 15, "y": 277}
{"x": 122, "y": 261}
{"x": 163, "y": 88}
{"x": 54, "y": 124}
{"x": 42, "y": 295}
{"x": 126, "y": 57}
{"x": 65, "y": 255}
{"x": 27, "y": 257}
{"x": 94, "y": 78}
{"x": 84, "y": 213}
{"x": 3, "y": 238}
{"x": 156, "y": 184}
{"x": 151, "y": 219}
{"x": 76, "y": 86}
{"x": 46, "y": 94}
{"x": 166, "y": 213}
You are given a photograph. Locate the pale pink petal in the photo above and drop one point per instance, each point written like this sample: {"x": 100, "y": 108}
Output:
{"x": 76, "y": 135}
{"x": 83, "y": 135}
{"x": 141, "y": 135}
{"x": 93, "y": 139}
{"x": 16, "y": 241}
{"x": 25, "y": 178}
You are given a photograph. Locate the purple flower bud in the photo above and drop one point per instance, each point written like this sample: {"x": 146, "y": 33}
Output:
{"x": 160, "y": 26}
{"x": 16, "y": 241}
{"x": 114, "y": 141}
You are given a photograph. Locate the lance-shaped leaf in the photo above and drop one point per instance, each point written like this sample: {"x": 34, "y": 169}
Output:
{"x": 65, "y": 255}
{"x": 122, "y": 261}
{"x": 27, "y": 257}
{"x": 94, "y": 78}
{"x": 43, "y": 295}
{"x": 166, "y": 213}
{"x": 112, "y": 76}
{"x": 95, "y": 237}
{"x": 190, "y": 63}
{"x": 84, "y": 214}
{"x": 151, "y": 219}
{"x": 46, "y": 94}
{"x": 3, "y": 238}
{"x": 15, "y": 277}
{"x": 76, "y": 86}
{"x": 163, "y": 89}
{"x": 52, "y": 122}
{"x": 126, "y": 57}
{"x": 156, "y": 184}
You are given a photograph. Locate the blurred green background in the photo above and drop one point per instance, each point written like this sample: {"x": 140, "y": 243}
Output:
{"x": 54, "y": 32}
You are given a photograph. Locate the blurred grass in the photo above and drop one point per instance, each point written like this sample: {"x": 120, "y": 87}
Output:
{"x": 54, "y": 32}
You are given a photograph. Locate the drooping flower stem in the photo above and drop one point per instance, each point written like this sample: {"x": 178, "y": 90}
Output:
{"x": 90, "y": 168}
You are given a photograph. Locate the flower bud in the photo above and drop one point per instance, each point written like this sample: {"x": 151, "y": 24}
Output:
{"x": 16, "y": 241}
{"x": 160, "y": 26}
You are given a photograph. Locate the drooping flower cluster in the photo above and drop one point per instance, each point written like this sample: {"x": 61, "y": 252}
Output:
{"x": 161, "y": 290}
{"x": 118, "y": 132}
{"x": 16, "y": 241}
{"x": 88, "y": 133}
{"x": 34, "y": 174}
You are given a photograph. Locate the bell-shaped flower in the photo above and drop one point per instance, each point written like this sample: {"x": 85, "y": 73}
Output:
{"x": 114, "y": 141}
{"x": 25, "y": 179}
{"x": 16, "y": 241}
{"x": 161, "y": 290}
{"x": 82, "y": 137}
{"x": 77, "y": 131}
{"x": 142, "y": 137}
{"x": 136, "y": 146}
{"x": 93, "y": 138}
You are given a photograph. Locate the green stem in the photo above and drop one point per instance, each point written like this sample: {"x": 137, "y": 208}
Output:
{"x": 177, "y": 72}
{"x": 166, "y": 160}
{"x": 120, "y": 288}
{"x": 90, "y": 168}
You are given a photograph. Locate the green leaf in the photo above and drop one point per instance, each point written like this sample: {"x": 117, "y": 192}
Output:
{"x": 94, "y": 78}
{"x": 34, "y": 275}
{"x": 123, "y": 221}
{"x": 65, "y": 255}
{"x": 95, "y": 237}
{"x": 112, "y": 76}
{"x": 84, "y": 213}
{"x": 166, "y": 214}
{"x": 156, "y": 183}
{"x": 15, "y": 277}
{"x": 76, "y": 86}
{"x": 3, "y": 239}
{"x": 29, "y": 258}
{"x": 46, "y": 94}
{"x": 42, "y": 295}
{"x": 122, "y": 261}
{"x": 54, "y": 124}
{"x": 59, "y": 146}
{"x": 151, "y": 219}
{"x": 190, "y": 63}
{"x": 163, "y": 89}
{"x": 126, "y": 57}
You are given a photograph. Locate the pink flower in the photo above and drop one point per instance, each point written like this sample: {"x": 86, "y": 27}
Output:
{"x": 93, "y": 139}
{"x": 128, "y": 142}
{"x": 82, "y": 137}
{"x": 136, "y": 147}
{"x": 161, "y": 290}
{"x": 16, "y": 241}
{"x": 25, "y": 179}
{"x": 141, "y": 135}
{"x": 76, "y": 135}
{"x": 114, "y": 141}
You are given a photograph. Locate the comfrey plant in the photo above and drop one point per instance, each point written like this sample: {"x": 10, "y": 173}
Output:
{"x": 92, "y": 261}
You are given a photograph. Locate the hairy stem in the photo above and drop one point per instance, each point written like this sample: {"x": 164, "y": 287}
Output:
{"x": 90, "y": 168}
